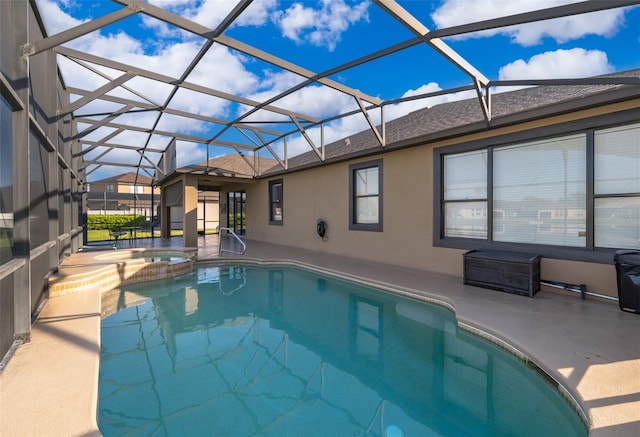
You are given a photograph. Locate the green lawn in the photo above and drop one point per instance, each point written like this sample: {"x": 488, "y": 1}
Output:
{"x": 103, "y": 234}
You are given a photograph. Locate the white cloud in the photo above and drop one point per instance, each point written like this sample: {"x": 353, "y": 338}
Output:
{"x": 605, "y": 23}
{"x": 186, "y": 153}
{"x": 321, "y": 27}
{"x": 171, "y": 4}
{"x": 295, "y": 19}
{"x": 220, "y": 69}
{"x": 174, "y": 123}
{"x": 210, "y": 13}
{"x": 277, "y": 82}
{"x": 400, "y": 109}
{"x": 189, "y": 153}
{"x": 322, "y": 102}
{"x": 558, "y": 64}
{"x": 454, "y": 12}
{"x": 314, "y": 101}
{"x": 161, "y": 29}
{"x": 223, "y": 70}
{"x": 56, "y": 19}
{"x": 344, "y": 127}
{"x": 170, "y": 60}
{"x": 196, "y": 103}
{"x": 256, "y": 14}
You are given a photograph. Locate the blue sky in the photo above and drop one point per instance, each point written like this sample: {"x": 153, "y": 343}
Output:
{"x": 320, "y": 35}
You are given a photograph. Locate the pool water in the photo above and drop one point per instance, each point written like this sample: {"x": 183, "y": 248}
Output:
{"x": 246, "y": 350}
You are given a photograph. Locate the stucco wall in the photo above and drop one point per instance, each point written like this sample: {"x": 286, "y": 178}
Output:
{"x": 324, "y": 193}
{"x": 407, "y": 238}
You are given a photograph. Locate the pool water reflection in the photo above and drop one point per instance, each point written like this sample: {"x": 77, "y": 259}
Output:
{"x": 248, "y": 350}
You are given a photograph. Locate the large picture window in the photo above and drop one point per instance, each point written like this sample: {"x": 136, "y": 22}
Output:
{"x": 579, "y": 191}
{"x": 539, "y": 188}
{"x": 617, "y": 187}
{"x": 6, "y": 182}
{"x": 275, "y": 202}
{"x": 365, "y": 188}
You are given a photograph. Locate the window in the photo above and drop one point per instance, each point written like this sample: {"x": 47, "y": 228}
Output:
{"x": 617, "y": 187}
{"x": 6, "y": 182}
{"x": 465, "y": 195}
{"x": 541, "y": 187}
{"x": 365, "y": 188}
{"x": 110, "y": 188}
{"x": 236, "y": 216}
{"x": 136, "y": 189}
{"x": 576, "y": 191}
{"x": 275, "y": 202}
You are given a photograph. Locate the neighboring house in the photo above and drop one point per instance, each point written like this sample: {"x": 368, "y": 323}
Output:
{"x": 131, "y": 194}
{"x": 553, "y": 172}
{"x": 125, "y": 193}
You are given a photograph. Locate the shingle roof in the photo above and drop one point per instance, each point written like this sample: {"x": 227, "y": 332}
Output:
{"x": 127, "y": 178}
{"x": 228, "y": 166}
{"x": 465, "y": 116}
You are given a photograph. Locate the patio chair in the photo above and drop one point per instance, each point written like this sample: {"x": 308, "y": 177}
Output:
{"x": 117, "y": 233}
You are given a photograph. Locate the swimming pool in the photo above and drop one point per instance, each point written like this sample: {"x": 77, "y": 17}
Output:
{"x": 250, "y": 350}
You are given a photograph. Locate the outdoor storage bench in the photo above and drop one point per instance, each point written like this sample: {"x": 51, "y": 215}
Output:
{"x": 512, "y": 272}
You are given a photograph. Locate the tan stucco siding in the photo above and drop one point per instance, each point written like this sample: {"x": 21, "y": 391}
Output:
{"x": 600, "y": 278}
{"x": 324, "y": 193}
{"x": 407, "y": 239}
{"x": 307, "y": 196}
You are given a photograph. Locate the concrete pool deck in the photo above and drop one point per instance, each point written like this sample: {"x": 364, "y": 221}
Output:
{"x": 50, "y": 385}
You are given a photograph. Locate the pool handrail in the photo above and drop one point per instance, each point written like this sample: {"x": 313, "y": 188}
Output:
{"x": 230, "y": 231}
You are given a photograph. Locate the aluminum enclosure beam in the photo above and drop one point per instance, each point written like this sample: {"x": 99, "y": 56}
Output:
{"x": 260, "y": 123}
{"x": 413, "y": 24}
{"x": 531, "y": 17}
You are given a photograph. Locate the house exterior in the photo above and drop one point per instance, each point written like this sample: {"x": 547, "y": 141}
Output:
{"x": 556, "y": 172}
{"x": 129, "y": 193}
{"x": 194, "y": 193}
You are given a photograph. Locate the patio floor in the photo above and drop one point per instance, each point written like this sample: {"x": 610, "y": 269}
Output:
{"x": 591, "y": 347}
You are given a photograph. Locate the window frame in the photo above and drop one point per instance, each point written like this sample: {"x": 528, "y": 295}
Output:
{"x": 612, "y": 195}
{"x": 468, "y": 200}
{"x": 589, "y": 253}
{"x": 41, "y": 206}
{"x": 272, "y": 202}
{"x": 353, "y": 169}
{"x": 569, "y": 176}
